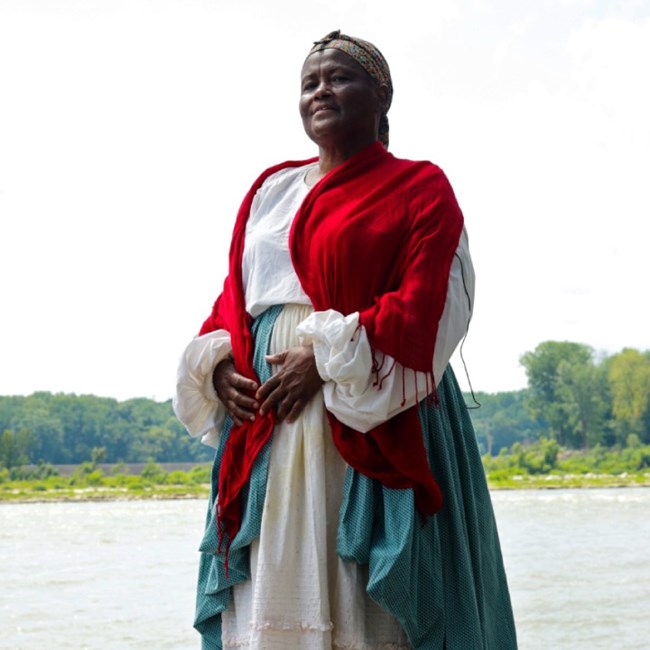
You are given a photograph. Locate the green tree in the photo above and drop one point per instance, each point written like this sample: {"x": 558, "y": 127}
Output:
{"x": 502, "y": 420}
{"x": 582, "y": 389}
{"x": 34, "y": 414}
{"x": 556, "y": 371}
{"x": 629, "y": 381}
{"x": 14, "y": 448}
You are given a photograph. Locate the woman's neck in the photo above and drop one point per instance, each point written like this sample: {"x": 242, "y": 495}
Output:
{"x": 331, "y": 157}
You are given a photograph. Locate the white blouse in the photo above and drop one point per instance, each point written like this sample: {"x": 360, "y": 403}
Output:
{"x": 267, "y": 271}
{"x": 342, "y": 351}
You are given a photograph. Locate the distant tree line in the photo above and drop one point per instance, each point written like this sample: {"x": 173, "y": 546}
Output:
{"x": 69, "y": 429}
{"x": 574, "y": 398}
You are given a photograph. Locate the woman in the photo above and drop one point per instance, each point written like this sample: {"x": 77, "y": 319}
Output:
{"x": 349, "y": 507}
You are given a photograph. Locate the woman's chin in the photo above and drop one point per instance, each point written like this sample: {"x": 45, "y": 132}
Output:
{"x": 324, "y": 130}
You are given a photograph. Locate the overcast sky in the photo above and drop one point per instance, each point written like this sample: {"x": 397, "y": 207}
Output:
{"x": 130, "y": 131}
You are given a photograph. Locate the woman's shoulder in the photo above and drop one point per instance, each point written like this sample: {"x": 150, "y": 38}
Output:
{"x": 279, "y": 186}
{"x": 425, "y": 187}
{"x": 422, "y": 167}
{"x": 421, "y": 176}
{"x": 286, "y": 176}
{"x": 283, "y": 176}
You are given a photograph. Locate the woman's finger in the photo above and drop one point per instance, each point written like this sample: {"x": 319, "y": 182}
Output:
{"x": 225, "y": 375}
{"x": 243, "y": 383}
{"x": 239, "y": 413}
{"x": 284, "y": 407}
{"x": 242, "y": 400}
{"x": 296, "y": 409}
{"x": 276, "y": 359}
{"x": 272, "y": 399}
{"x": 268, "y": 387}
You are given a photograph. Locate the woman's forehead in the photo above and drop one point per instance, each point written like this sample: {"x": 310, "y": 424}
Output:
{"x": 329, "y": 58}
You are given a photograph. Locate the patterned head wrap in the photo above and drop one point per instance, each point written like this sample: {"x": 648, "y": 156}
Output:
{"x": 369, "y": 58}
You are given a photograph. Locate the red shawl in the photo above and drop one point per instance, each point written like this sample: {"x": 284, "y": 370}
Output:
{"x": 376, "y": 235}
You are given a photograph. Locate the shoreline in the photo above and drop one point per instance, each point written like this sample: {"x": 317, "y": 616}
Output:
{"x": 202, "y": 491}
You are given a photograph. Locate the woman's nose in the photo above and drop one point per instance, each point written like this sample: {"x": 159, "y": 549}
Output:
{"x": 323, "y": 88}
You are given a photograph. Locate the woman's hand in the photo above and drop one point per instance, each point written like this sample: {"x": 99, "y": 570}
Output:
{"x": 234, "y": 391}
{"x": 291, "y": 388}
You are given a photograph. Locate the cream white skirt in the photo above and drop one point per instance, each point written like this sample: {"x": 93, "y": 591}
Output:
{"x": 301, "y": 595}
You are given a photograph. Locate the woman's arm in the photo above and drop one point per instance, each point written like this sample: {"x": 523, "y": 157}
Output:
{"x": 355, "y": 394}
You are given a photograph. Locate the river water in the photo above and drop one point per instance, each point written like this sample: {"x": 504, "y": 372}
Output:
{"x": 121, "y": 574}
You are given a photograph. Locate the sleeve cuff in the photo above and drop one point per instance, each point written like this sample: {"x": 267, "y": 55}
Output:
{"x": 196, "y": 404}
{"x": 344, "y": 359}
{"x": 337, "y": 350}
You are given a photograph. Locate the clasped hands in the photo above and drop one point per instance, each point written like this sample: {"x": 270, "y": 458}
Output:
{"x": 288, "y": 390}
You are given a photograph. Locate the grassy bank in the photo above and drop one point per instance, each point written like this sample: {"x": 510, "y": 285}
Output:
{"x": 39, "y": 491}
{"x": 557, "y": 481}
{"x": 545, "y": 464}
{"x": 88, "y": 482}
{"x": 25, "y": 491}
{"x": 520, "y": 469}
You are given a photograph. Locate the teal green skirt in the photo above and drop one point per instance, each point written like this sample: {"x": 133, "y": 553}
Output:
{"x": 442, "y": 579}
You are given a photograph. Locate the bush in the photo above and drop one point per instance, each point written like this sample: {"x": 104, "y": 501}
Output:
{"x": 177, "y": 477}
{"x": 86, "y": 474}
{"x": 546, "y": 455}
{"x": 134, "y": 483}
{"x": 95, "y": 478}
{"x": 498, "y": 475}
{"x": 153, "y": 473}
{"x": 201, "y": 474}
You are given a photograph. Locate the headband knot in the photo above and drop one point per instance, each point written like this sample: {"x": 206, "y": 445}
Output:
{"x": 330, "y": 37}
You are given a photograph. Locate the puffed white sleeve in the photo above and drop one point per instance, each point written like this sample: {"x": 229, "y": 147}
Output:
{"x": 355, "y": 394}
{"x": 196, "y": 403}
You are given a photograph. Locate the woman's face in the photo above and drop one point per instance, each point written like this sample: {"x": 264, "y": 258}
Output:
{"x": 340, "y": 104}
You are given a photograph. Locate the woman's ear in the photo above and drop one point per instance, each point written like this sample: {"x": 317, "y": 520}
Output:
{"x": 382, "y": 96}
